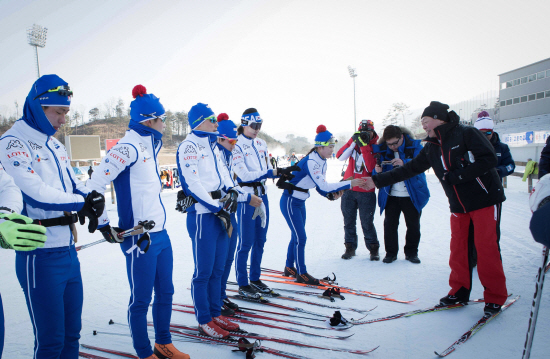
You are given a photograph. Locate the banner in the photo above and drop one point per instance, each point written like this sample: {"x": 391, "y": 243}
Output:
{"x": 110, "y": 143}
{"x": 525, "y": 138}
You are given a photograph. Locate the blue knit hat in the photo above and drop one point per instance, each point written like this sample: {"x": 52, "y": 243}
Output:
{"x": 198, "y": 113}
{"x": 39, "y": 96}
{"x": 226, "y": 128}
{"x": 324, "y": 138}
{"x": 145, "y": 106}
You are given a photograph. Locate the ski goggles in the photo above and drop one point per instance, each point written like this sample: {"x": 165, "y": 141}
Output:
{"x": 152, "y": 116}
{"x": 487, "y": 133}
{"x": 231, "y": 142}
{"x": 63, "y": 90}
{"x": 255, "y": 125}
{"x": 330, "y": 142}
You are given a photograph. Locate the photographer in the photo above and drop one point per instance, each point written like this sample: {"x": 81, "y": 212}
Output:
{"x": 395, "y": 148}
{"x": 361, "y": 164}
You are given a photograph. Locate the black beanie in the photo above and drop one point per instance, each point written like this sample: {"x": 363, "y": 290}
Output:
{"x": 436, "y": 110}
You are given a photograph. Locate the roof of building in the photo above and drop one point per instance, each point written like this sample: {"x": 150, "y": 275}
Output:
{"x": 534, "y": 63}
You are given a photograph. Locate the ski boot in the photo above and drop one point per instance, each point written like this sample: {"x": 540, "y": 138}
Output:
{"x": 230, "y": 304}
{"x": 307, "y": 279}
{"x": 350, "y": 251}
{"x": 249, "y": 291}
{"x": 227, "y": 312}
{"x": 260, "y": 286}
{"x": 225, "y": 323}
{"x": 212, "y": 330}
{"x": 374, "y": 255}
{"x": 169, "y": 351}
{"x": 491, "y": 309}
{"x": 152, "y": 356}
{"x": 452, "y": 299}
{"x": 290, "y": 272}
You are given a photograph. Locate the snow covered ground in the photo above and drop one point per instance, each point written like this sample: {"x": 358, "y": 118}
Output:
{"x": 106, "y": 290}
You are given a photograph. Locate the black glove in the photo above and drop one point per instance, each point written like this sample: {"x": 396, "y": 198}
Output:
{"x": 184, "y": 202}
{"x": 111, "y": 234}
{"x": 366, "y": 137}
{"x": 230, "y": 200}
{"x": 286, "y": 171}
{"x": 330, "y": 196}
{"x": 224, "y": 217}
{"x": 94, "y": 204}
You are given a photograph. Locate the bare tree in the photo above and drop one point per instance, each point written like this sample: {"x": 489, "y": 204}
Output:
{"x": 94, "y": 113}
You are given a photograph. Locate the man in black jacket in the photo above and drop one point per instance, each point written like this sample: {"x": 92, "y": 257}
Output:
{"x": 464, "y": 161}
{"x": 544, "y": 163}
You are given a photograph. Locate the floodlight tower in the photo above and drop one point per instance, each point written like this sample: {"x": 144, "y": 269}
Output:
{"x": 36, "y": 36}
{"x": 353, "y": 75}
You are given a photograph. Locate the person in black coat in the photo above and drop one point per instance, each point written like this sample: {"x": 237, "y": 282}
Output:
{"x": 464, "y": 162}
{"x": 544, "y": 163}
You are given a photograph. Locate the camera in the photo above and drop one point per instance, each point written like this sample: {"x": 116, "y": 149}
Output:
{"x": 366, "y": 131}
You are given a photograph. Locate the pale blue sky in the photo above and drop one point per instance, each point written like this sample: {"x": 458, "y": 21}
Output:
{"x": 286, "y": 58}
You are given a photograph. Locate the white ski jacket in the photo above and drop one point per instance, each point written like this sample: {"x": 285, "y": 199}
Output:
{"x": 202, "y": 171}
{"x": 40, "y": 167}
{"x": 10, "y": 195}
{"x": 250, "y": 162}
{"x": 132, "y": 166}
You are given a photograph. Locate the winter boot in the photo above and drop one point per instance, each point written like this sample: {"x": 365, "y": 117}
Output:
{"x": 491, "y": 309}
{"x": 389, "y": 258}
{"x": 225, "y": 323}
{"x": 212, "y": 330}
{"x": 230, "y": 304}
{"x": 260, "y": 286}
{"x": 307, "y": 279}
{"x": 413, "y": 259}
{"x": 227, "y": 312}
{"x": 290, "y": 272}
{"x": 374, "y": 255}
{"x": 350, "y": 252}
{"x": 249, "y": 291}
{"x": 165, "y": 351}
{"x": 452, "y": 299}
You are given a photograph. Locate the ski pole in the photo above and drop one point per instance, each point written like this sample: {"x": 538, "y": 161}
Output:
{"x": 141, "y": 228}
{"x": 535, "y": 306}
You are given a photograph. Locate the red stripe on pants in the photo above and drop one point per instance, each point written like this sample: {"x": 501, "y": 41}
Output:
{"x": 489, "y": 263}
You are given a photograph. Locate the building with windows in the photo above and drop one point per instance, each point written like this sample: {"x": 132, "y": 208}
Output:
{"x": 523, "y": 116}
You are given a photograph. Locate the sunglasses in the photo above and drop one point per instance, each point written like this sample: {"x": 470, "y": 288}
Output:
{"x": 393, "y": 143}
{"x": 63, "y": 90}
{"x": 212, "y": 119}
{"x": 152, "y": 116}
{"x": 330, "y": 142}
{"x": 255, "y": 125}
{"x": 487, "y": 133}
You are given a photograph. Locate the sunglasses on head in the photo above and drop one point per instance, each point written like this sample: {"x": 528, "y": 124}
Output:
{"x": 255, "y": 125}
{"x": 62, "y": 90}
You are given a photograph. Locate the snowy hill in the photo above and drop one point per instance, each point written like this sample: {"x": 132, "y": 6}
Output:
{"x": 106, "y": 290}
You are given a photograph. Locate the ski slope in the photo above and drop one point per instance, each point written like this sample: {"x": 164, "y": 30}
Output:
{"x": 106, "y": 290}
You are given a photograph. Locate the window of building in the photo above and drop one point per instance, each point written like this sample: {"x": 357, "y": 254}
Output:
{"x": 503, "y": 85}
{"x": 547, "y": 73}
{"x": 508, "y": 84}
{"x": 516, "y": 100}
{"x": 516, "y": 82}
{"x": 524, "y": 79}
{"x": 532, "y": 97}
{"x": 548, "y": 93}
{"x": 502, "y": 103}
{"x": 508, "y": 102}
{"x": 540, "y": 75}
{"x": 532, "y": 77}
{"x": 523, "y": 99}
{"x": 540, "y": 95}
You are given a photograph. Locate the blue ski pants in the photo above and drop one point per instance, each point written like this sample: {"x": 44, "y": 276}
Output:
{"x": 210, "y": 241}
{"x": 230, "y": 255}
{"x": 251, "y": 236}
{"x": 148, "y": 271}
{"x": 52, "y": 284}
{"x": 294, "y": 211}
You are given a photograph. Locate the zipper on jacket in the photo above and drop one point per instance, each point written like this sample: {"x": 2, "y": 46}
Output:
{"x": 257, "y": 155}
{"x": 448, "y": 168}
{"x": 59, "y": 172}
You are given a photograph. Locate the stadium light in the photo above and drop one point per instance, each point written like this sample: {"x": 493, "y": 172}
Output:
{"x": 353, "y": 75}
{"x": 36, "y": 36}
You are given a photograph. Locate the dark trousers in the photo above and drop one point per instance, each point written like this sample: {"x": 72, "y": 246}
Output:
{"x": 365, "y": 202}
{"x": 393, "y": 209}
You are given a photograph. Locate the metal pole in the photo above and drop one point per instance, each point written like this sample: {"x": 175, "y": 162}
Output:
{"x": 37, "y": 62}
{"x": 354, "y": 111}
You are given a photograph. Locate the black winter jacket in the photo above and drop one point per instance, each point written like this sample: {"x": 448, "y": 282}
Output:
{"x": 544, "y": 164}
{"x": 505, "y": 165}
{"x": 469, "y": 185}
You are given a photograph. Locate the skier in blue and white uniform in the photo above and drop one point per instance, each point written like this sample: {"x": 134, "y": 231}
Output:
{"x": 313, "y": 168}
{"x": 38, "y": 163}
{"x": 251, "y": 165}
{"x": 213, "y": 195}
{"x": 14, "y": 235}
{"x": 227, "y": 139}
{"x": 133, "y": 167}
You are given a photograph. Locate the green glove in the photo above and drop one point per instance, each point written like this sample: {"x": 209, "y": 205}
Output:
{"x": 17, "y": 232}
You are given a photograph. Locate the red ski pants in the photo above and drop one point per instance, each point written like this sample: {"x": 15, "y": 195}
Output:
{"x": 489, "y": 263}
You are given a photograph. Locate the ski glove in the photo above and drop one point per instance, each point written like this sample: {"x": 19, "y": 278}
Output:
{"x": 330, "y": 196}
{"x": 230, "y": 200}
{"x": 111, "y": 234}
{"x": 17, "y": 232}
{"x": 184, "y": 202}
{"x": 94, "y": 204}
{"x": 260, "y": 211}
{"x": 361, "y": 139}
{"x": 286, "y": 171}
{"x": 224, "y": 217}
